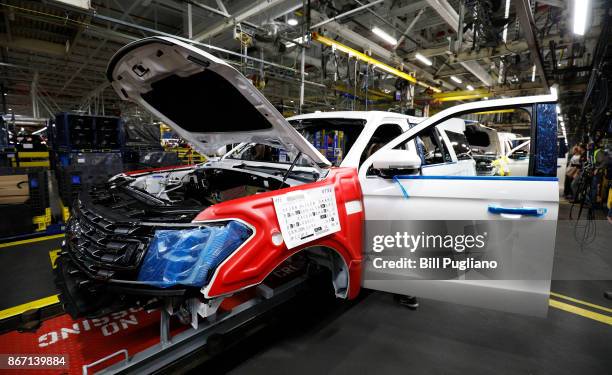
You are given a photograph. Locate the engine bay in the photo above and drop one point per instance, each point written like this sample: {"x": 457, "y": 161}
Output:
{"x": 204, "y": 186}
{"x": 175, "y": 196}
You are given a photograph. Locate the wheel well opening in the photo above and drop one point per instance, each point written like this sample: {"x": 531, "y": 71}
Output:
{"x": 330, "y": 260}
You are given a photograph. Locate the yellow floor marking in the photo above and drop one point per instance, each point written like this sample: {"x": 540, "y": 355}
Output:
{"x": 31, "y": 240}
{"x": 580, "y": 311}
{"x": 43, "y": 302}
{"x": 602, "y": 308}
{"x": 53, "y": 254}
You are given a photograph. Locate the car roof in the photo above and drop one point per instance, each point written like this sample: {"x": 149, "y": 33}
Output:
{"x": 365, "y": 115}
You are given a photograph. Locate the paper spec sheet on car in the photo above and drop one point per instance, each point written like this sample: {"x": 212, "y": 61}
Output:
{"x": 307, "y": 215}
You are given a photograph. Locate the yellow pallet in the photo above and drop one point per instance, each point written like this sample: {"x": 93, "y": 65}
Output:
{"x": 42, "y": 221}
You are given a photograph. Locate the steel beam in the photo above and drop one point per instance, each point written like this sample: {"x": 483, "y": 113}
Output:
{"x": 32, "y": 45}
{"x": 222, "y": 7}
{"x": 243, "y": 15}
{"x": 376, "y": 49}
{"x": 220, "y": 12}
{"x": 126, "y": 14}
{"x": 34, "y": 94}
{"x": 448, "y": 14}
{"x": 199, "y": 44}
{"x": 412, "y": 6}
{"x": 410, "y": 26}
{"x": 348, "y": 13}
{"x": 525, "y": 16}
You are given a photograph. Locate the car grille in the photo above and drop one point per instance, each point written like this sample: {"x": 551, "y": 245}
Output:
{"x": 104, "y": 248}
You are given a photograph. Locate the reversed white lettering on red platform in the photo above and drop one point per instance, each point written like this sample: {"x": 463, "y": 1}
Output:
{"x": 108, "y": 325}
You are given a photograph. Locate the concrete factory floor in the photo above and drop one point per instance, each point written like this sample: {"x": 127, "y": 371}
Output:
{"x": 376, "y": 336}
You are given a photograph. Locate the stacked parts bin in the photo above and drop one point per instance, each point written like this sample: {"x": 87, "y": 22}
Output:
{"x": 81, "y": 133}
{"x": 86, "y": 150}
{"x": 143, "y": 147}
{"x": 78, "y": 169}
{"x": 143, "y": 158}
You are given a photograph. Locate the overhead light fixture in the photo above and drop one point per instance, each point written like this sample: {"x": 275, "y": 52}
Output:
{"x": 533, "y": 71}
{"x": 423, "y": 59}
{"x": 554, "y": 92}
{"x": 40, "y": 130}
{"x": 506, "y": 16}
{"x": 292, "y": 22}
{"x": 382, "y": 34}
{"x": 581, "y": 8}
{"x": 456, "y": 79}
{"x": 470, "y": 87}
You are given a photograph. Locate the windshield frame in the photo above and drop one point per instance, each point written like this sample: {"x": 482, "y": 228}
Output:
{"x": 311, "y": 167}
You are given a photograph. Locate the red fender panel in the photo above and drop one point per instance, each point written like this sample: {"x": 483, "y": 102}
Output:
{"x": 257, "y": 258}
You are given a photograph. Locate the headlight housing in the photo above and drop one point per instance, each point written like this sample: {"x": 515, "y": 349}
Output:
{"x": 189, "y": 256}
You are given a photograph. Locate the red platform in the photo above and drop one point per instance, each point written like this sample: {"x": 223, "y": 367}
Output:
{"x": 85, "y": 341}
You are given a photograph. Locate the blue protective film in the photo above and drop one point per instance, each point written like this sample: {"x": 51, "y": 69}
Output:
{"x": 189, "y": 256}
{"x": 546, "y": 141}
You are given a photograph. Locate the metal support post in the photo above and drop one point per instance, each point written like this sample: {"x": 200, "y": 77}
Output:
{"x": 164, "y": 327}
{"x": 189, "y": 21}
{"x": 33, "y": 94}
{"x": 302, "y": 77}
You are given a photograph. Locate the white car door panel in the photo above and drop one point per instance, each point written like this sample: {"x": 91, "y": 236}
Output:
{"x": 457, "y": 198}
{"x": 521, "y": 213}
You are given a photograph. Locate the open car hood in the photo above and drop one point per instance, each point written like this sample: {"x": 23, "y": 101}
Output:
{"x": 201, "y": 97}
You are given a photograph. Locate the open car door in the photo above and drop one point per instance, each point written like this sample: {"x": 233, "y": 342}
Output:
{"x": 484, "y": 241}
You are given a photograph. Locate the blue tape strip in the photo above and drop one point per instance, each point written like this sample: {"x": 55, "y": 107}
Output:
{"x": 501, "y": 178}
{"x": 396, "y": 179}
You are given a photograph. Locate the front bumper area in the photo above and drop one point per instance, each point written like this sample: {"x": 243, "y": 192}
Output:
{"x": 98, "y": 266}
{"x": 105, "y": 249}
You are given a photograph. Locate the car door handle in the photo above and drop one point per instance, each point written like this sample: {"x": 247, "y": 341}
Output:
{"x": 527, "y": 211}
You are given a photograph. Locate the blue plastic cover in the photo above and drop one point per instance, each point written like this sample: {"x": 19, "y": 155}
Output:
{"x": 190, "y": 256}
{"x": 546, "y": 141}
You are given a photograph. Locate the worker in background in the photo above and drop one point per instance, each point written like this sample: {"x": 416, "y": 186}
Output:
{"x": 609, "y": 178}
{"x": 583, "y": 159}
{"x": 600, "y": 164}
{"x": 572, "y": 171}
{"x": 608, "y": 294}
